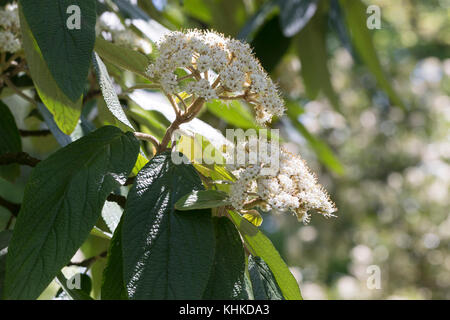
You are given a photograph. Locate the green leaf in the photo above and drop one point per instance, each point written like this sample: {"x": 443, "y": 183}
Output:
{"x": 66, "y": 112}
{"x": 259, "y": 245}
{"x": 202, "y": 199}
{"x": 312, "y": 51}
{"x": 122, "y": 57}
{"x": 167, "y": 254}
{"x": 109, "y": 94}
{"x": 270, "y": 44}
{"x": 74, "y": 294}
{"x": 264, "y": 284}
{"x": 113, "y": 287}
{"x": 355, "y": 16}
{"x": 295, "y": 14}
{"x": 232, "y": 112}
{"x": 253, "y": 216}
{"x": 9, "y": 142}
{"x": 62, "y": 202}
{"x": 67, "y": 51}
{"x": 227, "y": 276}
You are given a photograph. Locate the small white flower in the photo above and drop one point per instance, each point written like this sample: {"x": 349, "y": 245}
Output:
{"x": 291, "y": 188}
{"x": 239, "y": 74}
{"x": 9, "y": 29}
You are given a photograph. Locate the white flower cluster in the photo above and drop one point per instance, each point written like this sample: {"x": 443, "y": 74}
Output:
{"x": 291, "y": 187}
{"x": 9, "y": 29}
{"x": 219, "y": 67}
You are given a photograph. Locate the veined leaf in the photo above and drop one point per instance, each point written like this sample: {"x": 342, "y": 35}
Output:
{"x": 109, "y": 94}
{"x": 227, "y": 276}
{"x": 62, "y": 202}
{"x": 65, "y": 44}
{"x": 9, "y": 141}
{"x": 167, "y": 254}
{"x": 355, "y": 14}
{"x": 202, "y": 199}
{"x": 122, "y": 57}
{"x": 260, "y": 245}
{"x": 65, "y": 111}
{"x": 264, "y": 284}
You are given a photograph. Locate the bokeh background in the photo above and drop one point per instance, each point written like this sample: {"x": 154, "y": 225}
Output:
{"x": 370, "y": 112}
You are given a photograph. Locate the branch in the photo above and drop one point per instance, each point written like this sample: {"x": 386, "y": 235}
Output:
{"x": 129, "y": 181}
{"x": 89, "y": 261}
{"x": 17, "y": 90}
{"x": 14, "y": 208}
{"x": 120, "y": 200}
{"x": 34, "y": 133}
{"x": 19, "y": 158}
{"x": 187, "y": 116}
{"x": 147, "y": 137}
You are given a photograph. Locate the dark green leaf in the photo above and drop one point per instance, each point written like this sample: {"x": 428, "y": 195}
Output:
{"x": 9, "y": 141}
{"x": 62, "y": 202}
{"x": 113, "y": 287}
{"x": 66, "y": 112}
{"x": 227, "y": 276}
{"x": 260, "y": 245}
{"x": 67, "y": 51}
{"x": 167, "y": 254}
{"x": 270, "y": 44}
{"x": 202, "y": 199}
{"x": 295, "y": 14}
{"x": 264, "y": 284}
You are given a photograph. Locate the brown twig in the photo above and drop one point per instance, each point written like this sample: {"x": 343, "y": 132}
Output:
{"x": 129, "y": 181}
{"x": 22, "y": 158}
{"x": 17, "y": 90}
{"x": 34, "y": 133}
{"x": 89, "y": 261}
{"x": 147, "y": 137}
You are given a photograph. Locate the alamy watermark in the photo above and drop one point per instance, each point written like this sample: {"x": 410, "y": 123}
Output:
{"x": 374, "y": 280}
{"x": 374, "y": 20}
